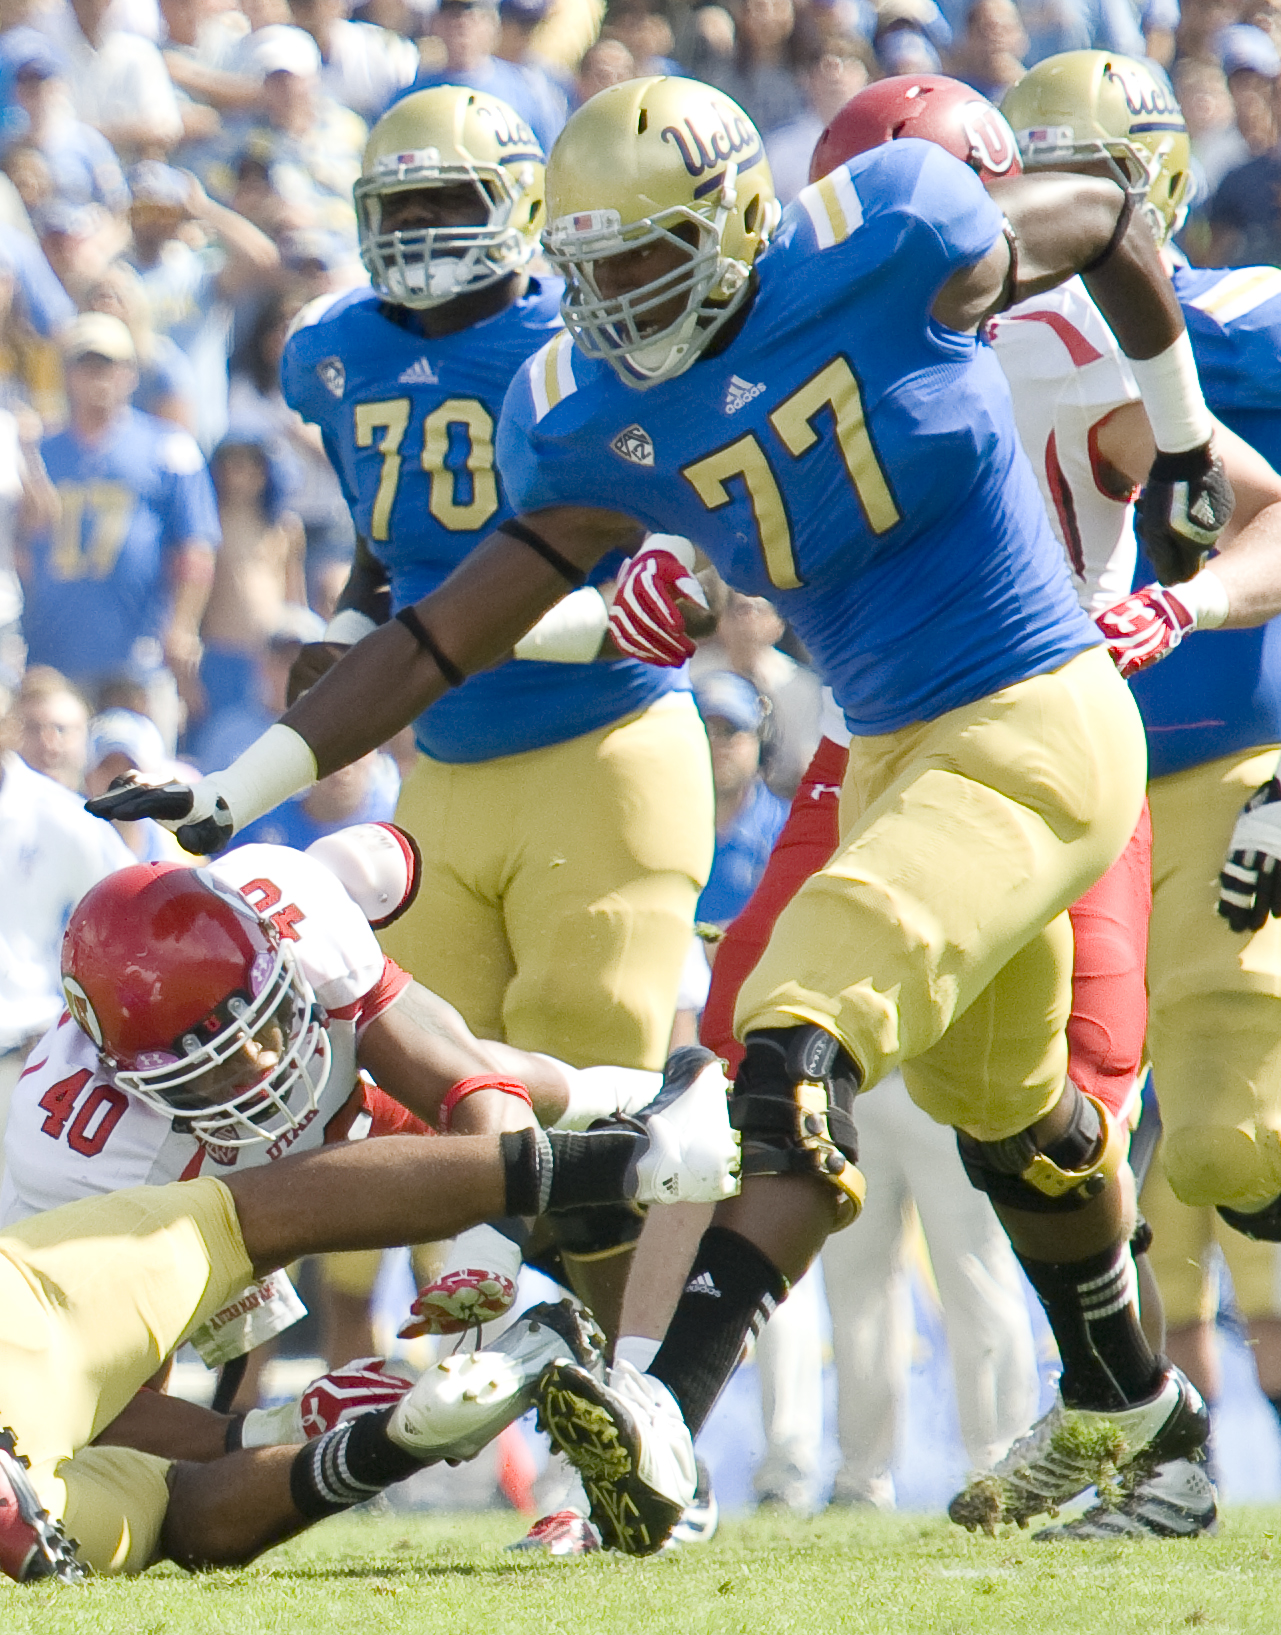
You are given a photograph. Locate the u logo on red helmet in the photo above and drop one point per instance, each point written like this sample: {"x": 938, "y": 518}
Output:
{"x": 991, "y": 139}
{"x": 82, "y": 1012}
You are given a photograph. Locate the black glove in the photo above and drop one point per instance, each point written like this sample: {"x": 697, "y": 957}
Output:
{"x": 129, "y": 799}
{"x": 1250, "y": 884}
{"x": 1184, "y": 508}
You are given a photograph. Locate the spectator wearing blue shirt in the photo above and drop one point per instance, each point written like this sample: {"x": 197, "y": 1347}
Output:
{"x": 468, "y": 29}
{"x": 749, "y": 816}
{"x": 82, "y": 164}
{"x": 118, "y": 585}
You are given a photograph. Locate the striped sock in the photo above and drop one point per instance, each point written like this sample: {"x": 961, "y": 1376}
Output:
{"x": 1092, "y": 1307}
{"x": 348, "y": 1465}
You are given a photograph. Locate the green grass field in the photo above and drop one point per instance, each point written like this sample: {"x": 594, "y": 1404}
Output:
{"x": 412, "y": 1575}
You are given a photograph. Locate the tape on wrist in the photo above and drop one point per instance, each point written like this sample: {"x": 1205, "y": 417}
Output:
{"x": 1205, "y": 599}
{"x": 569, "y": 633}
{"x": 347, "y": 627}
{"x": 1172, "y": 397}
{"x": 277, "y": 765}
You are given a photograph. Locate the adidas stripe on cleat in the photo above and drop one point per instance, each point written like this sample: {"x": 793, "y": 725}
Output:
{"x": 32, "y": 1544}
{"x": 1175, "y": 1500}
{"x": 630, "y": 1446}
{"x": 1071, "y": 1449}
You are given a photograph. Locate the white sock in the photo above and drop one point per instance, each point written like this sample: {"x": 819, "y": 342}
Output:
{"x": 600, "y": 1092}
{"x": 637, "y": 1350}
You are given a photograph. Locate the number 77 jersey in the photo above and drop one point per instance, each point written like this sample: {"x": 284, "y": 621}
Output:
{"x": 843, "y": 454}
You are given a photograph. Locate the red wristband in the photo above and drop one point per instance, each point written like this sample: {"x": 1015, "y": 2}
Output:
{"x": 468, "y": 1087}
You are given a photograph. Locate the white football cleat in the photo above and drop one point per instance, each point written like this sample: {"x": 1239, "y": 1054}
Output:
{"x": 1072, "y": 1449}
{"x": 631, "y": 1447}
{"x": 462, "y": 1402}
{"x": 32, "y": 1544}
{"x": 693, "y": 1154}
{"x": 1175, "y": 1500}
{"x": 701, "y": 1516}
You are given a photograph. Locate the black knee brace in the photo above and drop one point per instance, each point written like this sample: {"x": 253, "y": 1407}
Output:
{"x": 793, "y": 1103}
{"x": 1057, "y": 1179}
{"x": 1263, "y": 1225}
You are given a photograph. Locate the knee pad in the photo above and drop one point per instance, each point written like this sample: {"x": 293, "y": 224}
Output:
{"x": 1055, "y": 1180}
{"x": 1263, "y": 1225}
{"x": 793, "y": 1104}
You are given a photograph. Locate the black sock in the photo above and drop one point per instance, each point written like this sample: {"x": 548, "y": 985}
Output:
{"x": 731, "y": 1291}
{"x": 1091, "y": 1307}
{"x": 556, "y": 1170}
{"x": 348, "y": 1465}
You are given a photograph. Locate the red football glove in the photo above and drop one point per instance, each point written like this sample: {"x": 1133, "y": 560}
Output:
{"x": 359, "y": 1388}
{"x": 645, "y": 622}
{"x": 1144, "y": 628}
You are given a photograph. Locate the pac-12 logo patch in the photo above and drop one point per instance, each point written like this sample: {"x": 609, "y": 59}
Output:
{"x": 82, "y": 1012}
{"x": 333, "y": 377}
{"x": 634, "y": 444}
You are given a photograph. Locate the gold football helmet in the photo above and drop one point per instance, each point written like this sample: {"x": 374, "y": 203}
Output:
{"x": 653, "y": 162}
{"x": 1095, "y": 105}
{"x": 442, "y": 137}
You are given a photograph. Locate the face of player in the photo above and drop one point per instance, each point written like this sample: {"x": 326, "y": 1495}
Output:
{"x": 453, "y": 204}
{"x": 254, "y": 1060}
{"x": 631, "y": 270}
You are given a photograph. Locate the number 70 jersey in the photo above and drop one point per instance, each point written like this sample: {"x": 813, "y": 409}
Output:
{"x": 843, "y": 454}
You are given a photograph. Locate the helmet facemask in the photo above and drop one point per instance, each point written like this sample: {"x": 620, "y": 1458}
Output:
{"x": 190, "y": 1079}
{"x": 424, "y": 267}
{"x": 627, "y": 329}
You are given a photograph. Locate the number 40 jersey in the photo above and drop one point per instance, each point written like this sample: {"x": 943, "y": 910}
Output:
{"x": 73, "y": 1133}
{"x": 843, "y": 454}
{"x": 409, "y": 424}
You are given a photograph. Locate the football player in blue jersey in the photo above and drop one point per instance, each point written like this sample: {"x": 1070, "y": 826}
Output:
{"x": 821, "y": 416}
{"x": 563, "y": 807}
{"x": 1212, "y": 711}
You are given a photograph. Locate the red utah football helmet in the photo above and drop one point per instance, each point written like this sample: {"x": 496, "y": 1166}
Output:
{"x": 177, "y": 981}
{"x": 926, "y": 105}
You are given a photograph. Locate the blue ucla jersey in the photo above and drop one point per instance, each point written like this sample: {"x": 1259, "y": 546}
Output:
{"x": 408, "y": 425}
{"x": 843, "y": 455}
{"x": 1221, "y": 692}
{"x": 98, "y": 599}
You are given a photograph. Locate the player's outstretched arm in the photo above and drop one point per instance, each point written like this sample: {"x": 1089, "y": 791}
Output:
{"x": 1061, "y": 225}
{"x": 470, "y": 622}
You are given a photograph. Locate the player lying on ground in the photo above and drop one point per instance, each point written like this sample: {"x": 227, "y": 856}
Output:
{"x": 266, "y": 935}
{"x": 876, "y": 490}
{"x": 95, "y": 1295}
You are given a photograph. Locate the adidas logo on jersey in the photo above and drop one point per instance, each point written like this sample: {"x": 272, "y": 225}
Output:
{"x": 703, "y": 1284}
{"x": 739, "y": 393}
{"x": 419, "y": 373}
{"x": 333, "y": 377}
{"x": 634, "y": 444}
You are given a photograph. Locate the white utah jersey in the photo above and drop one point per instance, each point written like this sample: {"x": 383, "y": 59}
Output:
{"x": 73, "y": 1133}
{"x": 1066, "y": 374}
